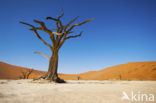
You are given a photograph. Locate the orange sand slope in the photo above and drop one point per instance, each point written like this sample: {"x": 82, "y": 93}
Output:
{"x": 8, "y": 71}
{"x": 128, "y": 71}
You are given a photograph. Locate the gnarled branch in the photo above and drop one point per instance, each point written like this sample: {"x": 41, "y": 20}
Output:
{"x": 79, "y": 24}
{"x": 62, "y": 14}
{"x": 74, "y": 36}
{"x": 44, "y": 28}
{"x": 28, "y": 24}
{"x": 58, "y": 22}
{"x": 52, "y": 18}
{"x": 65, "y": 38}
{"x": 70, "y": 23}
{"x": 36, "y": 33}
{"x": 42, "y": 40}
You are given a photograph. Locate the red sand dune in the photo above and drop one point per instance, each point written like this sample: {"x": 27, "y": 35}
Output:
{"x": 128, "y": 71}
{"x": 8, "y": 71}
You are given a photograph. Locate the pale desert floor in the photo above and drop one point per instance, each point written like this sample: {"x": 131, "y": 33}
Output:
{"x": 22, "y": 91}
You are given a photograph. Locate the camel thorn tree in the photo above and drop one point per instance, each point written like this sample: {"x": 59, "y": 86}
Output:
{"x": 58, "y": 37}
{"x": 26, "y": 74}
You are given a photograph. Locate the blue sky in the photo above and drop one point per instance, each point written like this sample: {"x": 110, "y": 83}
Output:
{"x": 122, "y": 31}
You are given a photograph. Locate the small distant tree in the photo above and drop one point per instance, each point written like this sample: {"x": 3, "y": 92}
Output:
{"x": 120, "y": 76}
{"x": 57, "y": 36}
{"x": 78, "y": 78}
{"x": 26, "y": 74}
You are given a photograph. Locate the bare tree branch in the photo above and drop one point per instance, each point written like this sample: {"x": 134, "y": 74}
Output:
{"x": 79, "y": 24}
{"x": 58, "y": 21}
{"x": 60, "y": 26}
{"x": 62, "y": 14}
{"x": 43, "y": 54}
{"x": 65, "y": 38}
{"x": 59, "y": 30}
{"x": 27, "y": 24}
{"x": 42, "y": 40}
{"x": 33, "y": 27}
{"x": 36, "y": 33}
{"x": 51, "y": 18}
{"x": 62, "y": 42}
{"x": 74, "y": 36}
{"x": 69, "y": 31}
{"x": 43, "y": 27}
{"x": 57, "y": 33}
{"x": 70, "y": 22}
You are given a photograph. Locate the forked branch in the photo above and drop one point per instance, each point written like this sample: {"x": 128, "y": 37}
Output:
{"x": 62, "y": 14}
{"x": 70, "y": 23}
{"x": 42, "y": 40}
{"x": 36, "y": 33}
{"x": 58, "y": 22}
{"x": 79, "y": 24}
{"x": 44, "y": 28}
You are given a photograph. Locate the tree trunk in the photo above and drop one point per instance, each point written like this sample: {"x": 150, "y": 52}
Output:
{"x": 52, "y": 74}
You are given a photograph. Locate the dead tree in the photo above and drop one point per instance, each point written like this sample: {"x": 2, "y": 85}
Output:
{"x": 26, "y": 74}
{"x": 29, "y": 72}
{"x": 58, "y": 36}
{"x": 120, "y": 76}
{"x": 78, "y": 78}
{"x": 23, "y": 75}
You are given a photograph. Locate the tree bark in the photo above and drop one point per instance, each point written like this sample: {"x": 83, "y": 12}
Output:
{"x": 52, "y": 74}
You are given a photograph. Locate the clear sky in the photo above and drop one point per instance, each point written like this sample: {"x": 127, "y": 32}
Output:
{"x": 122, "y": 31}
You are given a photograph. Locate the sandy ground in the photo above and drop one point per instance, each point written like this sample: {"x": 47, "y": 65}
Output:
{"x": 22, "y": 91}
